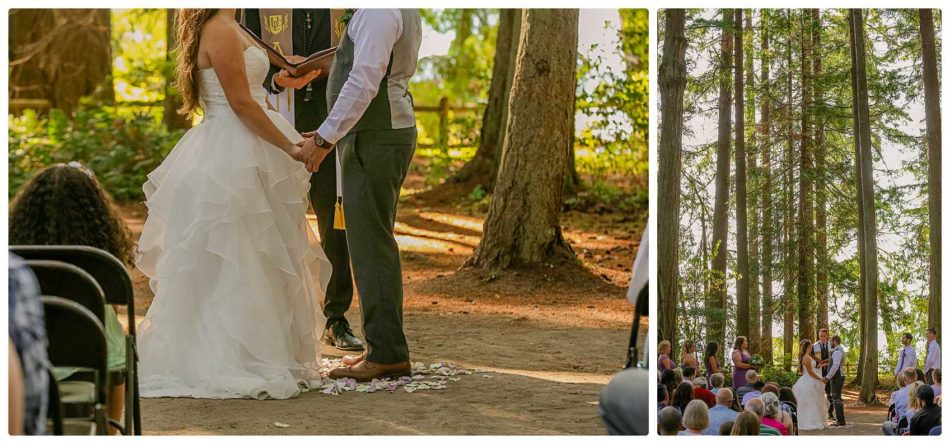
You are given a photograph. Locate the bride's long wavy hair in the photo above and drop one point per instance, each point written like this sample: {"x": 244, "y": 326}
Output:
{"x": 190, "y": 22}
{"x": 804, "y": 348}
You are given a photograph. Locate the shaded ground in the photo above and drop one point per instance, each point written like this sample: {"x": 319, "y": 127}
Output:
{"x": 549, "y": 338}
{"x": 862, "y": 419}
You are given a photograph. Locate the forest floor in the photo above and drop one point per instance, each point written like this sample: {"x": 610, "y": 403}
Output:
{"x": 548, "y": 339}
{"x": 862, "y": 419}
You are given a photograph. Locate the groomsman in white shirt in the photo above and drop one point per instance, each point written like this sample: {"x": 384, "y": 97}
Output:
{"x": 932, "y": 361}
{"x": 907, "y": 357}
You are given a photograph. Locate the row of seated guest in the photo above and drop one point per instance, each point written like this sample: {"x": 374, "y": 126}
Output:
{"x": 65, "y": 204}
{"x": 763, "y": 416}
{"x": 915, "y": 408}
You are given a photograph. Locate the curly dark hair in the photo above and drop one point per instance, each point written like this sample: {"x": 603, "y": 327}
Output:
{"x": 66, "y": 205}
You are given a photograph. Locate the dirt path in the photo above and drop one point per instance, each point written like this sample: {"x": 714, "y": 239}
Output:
{"x": 862, "y": 419}
{"x": 549, "y": 339}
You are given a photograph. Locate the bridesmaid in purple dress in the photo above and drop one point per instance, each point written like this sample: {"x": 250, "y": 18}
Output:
{"x": 710, "y": 360}
{"x": 740, "y": 362}
{"x": 664, "y": 362}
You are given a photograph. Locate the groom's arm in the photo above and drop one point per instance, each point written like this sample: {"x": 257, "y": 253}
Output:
{"x": 374, "y": 32}
{"x": 252, "y": 19}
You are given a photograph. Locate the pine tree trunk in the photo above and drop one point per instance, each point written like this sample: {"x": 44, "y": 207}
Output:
{"x": 821, "y": 213}
{"x": 482, "y": 169}
{"x": 672, "y": 83}
{"x": 806, "y": 258}
{"x": 866, "y": 197}
{"x": 716, "y": 305}
{"x": 742, "y": 224}
{"x": 523, "y": 222}
{"x": 171, "y": 118}
{"x": 61, "y": 55}
{"x": 788, "y": 241}
{"x": 766, "y": 176}
{"x": 755, "y": 227}
{"x": 932, "y": 110}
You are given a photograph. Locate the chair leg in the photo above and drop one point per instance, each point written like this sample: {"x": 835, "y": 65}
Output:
{"x": 134, "y": 376}
{"x": 129, "y": 387}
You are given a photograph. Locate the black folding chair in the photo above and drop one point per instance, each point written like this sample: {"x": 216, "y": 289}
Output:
{"x": 114, "y": 279}
{"x": 793, "y": 413}
{"x": 77, "y": 339}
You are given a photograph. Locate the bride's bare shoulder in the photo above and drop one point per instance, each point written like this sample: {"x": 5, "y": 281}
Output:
{"x": 219, "y": 34}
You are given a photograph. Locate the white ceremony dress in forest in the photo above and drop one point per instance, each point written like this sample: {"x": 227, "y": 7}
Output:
{"x": 236, "y": 270}
{"x": 812, "y": 404}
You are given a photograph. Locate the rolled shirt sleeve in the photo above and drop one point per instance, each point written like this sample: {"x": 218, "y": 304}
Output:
{"x": 836, "y": 358}
{"x": 374, "y": 33}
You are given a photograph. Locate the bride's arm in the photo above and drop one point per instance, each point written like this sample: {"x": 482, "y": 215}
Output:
{"x": 225, "y": 49}
{"x": 809, "y": 370}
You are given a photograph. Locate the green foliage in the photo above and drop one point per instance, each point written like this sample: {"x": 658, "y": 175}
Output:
{"x": 120, "y": 147}
{"x": 777, "y": 375}
{"x": 140, "y": 68}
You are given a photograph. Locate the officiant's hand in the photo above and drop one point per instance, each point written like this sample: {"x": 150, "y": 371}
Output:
{"x": 285, "y": 80}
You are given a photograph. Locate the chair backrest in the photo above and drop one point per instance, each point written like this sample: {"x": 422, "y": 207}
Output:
{"x": 109, "y": 272}
{"x": 76, "y": 339}
{"x": 70, "y": 282}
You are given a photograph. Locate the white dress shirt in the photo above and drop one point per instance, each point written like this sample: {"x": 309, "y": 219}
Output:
{"x": 933, "y": 356}
{"x": 906, "y": 358}
{"x": 374, "y": 32}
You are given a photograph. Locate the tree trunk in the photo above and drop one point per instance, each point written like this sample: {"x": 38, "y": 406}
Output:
{"x": 672, "y": 83}
{"x": 932, "y": 110}
{"x": 766, "y": 175}
{"x": 755, "y": 328}
{"x": 742, "y": 224}
{"x": 171, "y": 118}
{"x": 523, "y": 222}
{"x": 61, "y": 55}
{"x": 866, "y": 197}
{"x": 716, "y": 305}
{"x": 788, "y": 234}
{"x": 482, "y": 169}
{"x": 806, "y": 255}
{"x": 821, "y": 212}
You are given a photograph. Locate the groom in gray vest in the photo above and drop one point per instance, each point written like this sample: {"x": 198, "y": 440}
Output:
{"x": 373, "y": 127}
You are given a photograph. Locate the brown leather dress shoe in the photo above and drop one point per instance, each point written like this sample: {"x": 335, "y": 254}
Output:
{"x": 351, "y": 360}
{"x": 366, "y": 371}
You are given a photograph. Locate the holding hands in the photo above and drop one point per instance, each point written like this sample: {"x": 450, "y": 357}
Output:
{"x": 312, "y": 150}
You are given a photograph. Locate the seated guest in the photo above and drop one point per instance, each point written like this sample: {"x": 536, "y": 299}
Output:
{"x": 678, "y": 375}
{"x": 899, "y": 399}
{"x": 662, "y": 397}
{"x": 696, "y": 418}
{"x": 757, "y": 387}
{"x": 936, "y": 431}
{"x": 773, "y": 413}
{"x": 65, "y": 205}
{"x": 938, "y": 379}
{"x": 669, "y": 421}
{"x": 702, "y": 393}
{"x": 668, "y": 379}
{"x": 747, "y": 424}
{"x": 725, "y": 429}
{"x": 771, "y": 387}
{"x": 689, "y": 374}
{"x": 755, "y": 405}
{"x": 623, "y": 403}
{"x": 751, "y": 378}
{"x": 717, "y": 380}
{"x": 929, "y": 415}
{"x": 786, "y": 395}
{"x": 920, "y": 374}
{"x": 682, "y": 396}
{"x": 722, "y": 412}
{"x": 27, "y": 332}
{"x": 15, "y": 396}
{"x": 913, "y": 403}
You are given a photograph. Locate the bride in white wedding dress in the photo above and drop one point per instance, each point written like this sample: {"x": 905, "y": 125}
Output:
{"x": 809, "y": 390}
{"x": 236, "y": 270}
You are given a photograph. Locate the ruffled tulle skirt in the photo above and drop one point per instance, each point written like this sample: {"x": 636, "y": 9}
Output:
{"x": 237, "y": 273}
{"x": 812, "y": 403}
